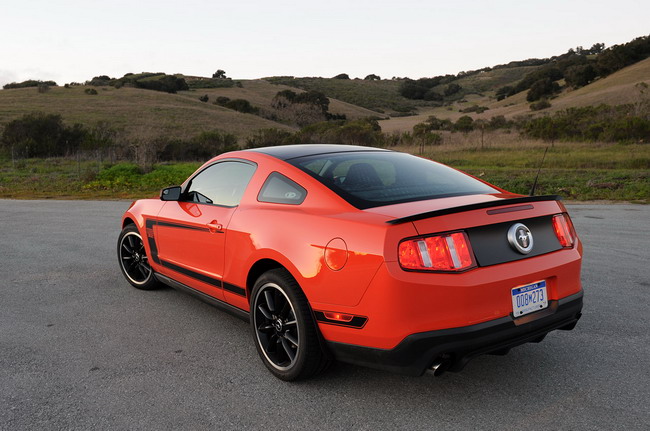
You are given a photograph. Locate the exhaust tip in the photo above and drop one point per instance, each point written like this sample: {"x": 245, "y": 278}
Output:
{"x": 439, "y": 367}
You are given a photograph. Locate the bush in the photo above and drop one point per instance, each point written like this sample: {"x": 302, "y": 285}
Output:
{"x": 464, "y": 124}
{"x": 302, "y": 108}
{"x": 212, "y": 83}
{"x": 342, "y": 76}
{"x": 432, "y": 95}
{"x": 372, "y": 77}
{"x": 42, "y": 135}
{"x": 241, "y": 105}
{"x": 269, "y": 138}
{"x": 28, "y": 83}
{"x": 475, "y": 108}
{"x": 201, "y": 147}
{"x": 498, "y": 122}
{"x": 204, "y": 98}
{"x": 146, "y": 80}
{"x": 100, "y": 81}
{"x": 538, "y": 106}
{"x": 452, "y": 89}
{"x": 222, "y": 100}
{"x": 541, "y": 88}
{"x": 90, "y": 91}
{"x": 580, "y": 75}
{"x": 503, "y": 92}
{"x": 353, "y": 132}
{"x": 590, "y": 123}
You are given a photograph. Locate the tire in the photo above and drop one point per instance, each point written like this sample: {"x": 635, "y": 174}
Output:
{"x": 133, "y": 260}
{"x": 284, "y": 330}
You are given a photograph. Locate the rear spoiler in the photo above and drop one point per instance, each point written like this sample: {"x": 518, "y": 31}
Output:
{"x": 478, "y": 206}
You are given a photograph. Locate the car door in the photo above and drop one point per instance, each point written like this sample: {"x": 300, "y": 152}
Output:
{"x": 190, "y": 234}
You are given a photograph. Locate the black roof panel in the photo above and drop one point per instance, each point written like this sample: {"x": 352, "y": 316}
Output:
{"x": 287, "y": 152}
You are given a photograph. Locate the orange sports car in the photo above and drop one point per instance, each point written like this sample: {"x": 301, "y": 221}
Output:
{"x": 363, "y": 255}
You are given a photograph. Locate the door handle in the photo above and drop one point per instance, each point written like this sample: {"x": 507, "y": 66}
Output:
{"x": 214, "y": 226}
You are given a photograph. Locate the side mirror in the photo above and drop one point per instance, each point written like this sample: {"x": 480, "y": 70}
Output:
{"x": 172, "y": 193}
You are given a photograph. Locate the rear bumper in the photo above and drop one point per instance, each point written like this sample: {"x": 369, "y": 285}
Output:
{"x": 457, "y": 346}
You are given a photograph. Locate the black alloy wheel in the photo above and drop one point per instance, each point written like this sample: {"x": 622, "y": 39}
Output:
{"x": 277, "y": 329}
{"x": 285, "y": 333}
{"x": 133, "y": 259}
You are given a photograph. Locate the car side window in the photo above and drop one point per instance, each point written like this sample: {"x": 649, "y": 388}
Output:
{"x": 223, "y": 183}
{"x": 279, "y": 189}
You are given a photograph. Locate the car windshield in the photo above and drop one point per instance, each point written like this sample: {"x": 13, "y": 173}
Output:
{"x": 371, "y": 179}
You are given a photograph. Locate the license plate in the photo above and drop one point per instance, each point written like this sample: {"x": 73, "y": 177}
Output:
{"x": 529, "y": 298}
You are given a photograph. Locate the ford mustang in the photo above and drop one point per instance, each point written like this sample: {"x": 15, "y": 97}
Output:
{"x": 363, "y": 255}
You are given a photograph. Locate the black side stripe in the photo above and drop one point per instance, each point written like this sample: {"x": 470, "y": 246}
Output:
{"x": 181, "y": 226}
{"x": 149, "y": 224}
{"x": 357, "y": 322}
{"x": 234, "y": 289}
{"x": 198, "y": 276}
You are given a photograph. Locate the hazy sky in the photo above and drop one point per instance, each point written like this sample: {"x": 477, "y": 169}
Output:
{"x": 73, "y": 40}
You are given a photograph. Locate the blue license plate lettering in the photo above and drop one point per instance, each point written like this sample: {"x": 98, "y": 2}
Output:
{"x": 529, "y": 298}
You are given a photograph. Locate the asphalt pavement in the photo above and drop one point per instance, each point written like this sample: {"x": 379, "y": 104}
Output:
{"x": 81, "y": 349}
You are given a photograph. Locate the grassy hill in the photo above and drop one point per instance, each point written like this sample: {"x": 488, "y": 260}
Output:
{"x": 145, "y": 114}
{"x": 380, "y": 96}
{"x": 139, "y": 113}
{"x": 260, "y": 93}
{"x": 616, "y": 89}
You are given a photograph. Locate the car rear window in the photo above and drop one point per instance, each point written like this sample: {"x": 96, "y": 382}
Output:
{"x": 371, "y": 179}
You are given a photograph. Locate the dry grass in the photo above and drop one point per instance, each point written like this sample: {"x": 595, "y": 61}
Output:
{"x": 260, "y": 93}
{"x": 577, "y": 171}
{"x": 139, "y": 113}
{"x": 616, "y": 89}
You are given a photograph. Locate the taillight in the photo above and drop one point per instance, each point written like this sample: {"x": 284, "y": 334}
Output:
{"x": 448, "y": 252}
{"x": 563, "y": 230}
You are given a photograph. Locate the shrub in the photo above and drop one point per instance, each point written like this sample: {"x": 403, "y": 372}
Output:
{"x": 372, "y": 77}
{"x": 503, "y": 92}
{"x": 464, "y": 124}
{"x": 342, "y": 76}
{"x": 222, "y": 100}
{"x": 201, "y": 147}
{"x": 475, "y": 108}
{"x": 213, "y": 83}
{"x": 498, "y": 122}
{"x": 42, "y": 135}
{"x": 28, "y": 83}
{"x": 270, "y": 137}
{"x": 204, "y": 98}
{"x": 541, "y": 88}
{"x": 99, "y": 81}
{"x": 433, "y": 96}
{"x": 354, "y": 132}
{"x": 580, "y": 75}
{"x": 539, "y": 105}
{"x": 241, "y": 105}
{"x": 452, "y": 89}
{"x": 90, "y": 91}
{"x": 590, "y": 123}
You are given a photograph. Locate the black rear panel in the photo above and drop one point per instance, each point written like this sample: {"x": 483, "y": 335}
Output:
{"x": 491, "y": 246}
